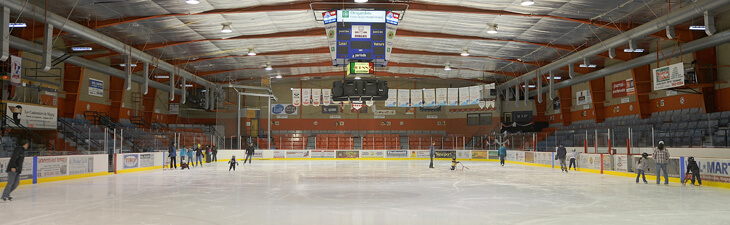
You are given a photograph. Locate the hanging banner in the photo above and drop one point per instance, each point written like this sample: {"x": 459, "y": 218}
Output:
{"x": 316, "y": 97}
{"x": 326, "y": 96}
{"x": 32, "y": 116}
{"x": 296, "y": 96}
{"x": 618, "y": 89}
{"x": 442, "y": 96}
{"x": 630, "y": 87}
{"x": 416, "y": 98}
{"x": 330, "y": 26}
{"x": 306, "y": 96}
{"x": 464, "y": 96}
{"x": 15, "y": 68}
{"x": 392, "y": 98}
{"x": 404, "y": 98}
{"x": 96, "y": 87}
{"x": 453, "y": 97}
{"x": 475, "y": 94}
{"x": 391, "y": 25}
{"x": 429, "y": 97}
{"x": 668, "y": 77}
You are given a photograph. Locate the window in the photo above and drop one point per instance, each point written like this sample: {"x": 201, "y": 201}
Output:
{"x": 479, "y": 119}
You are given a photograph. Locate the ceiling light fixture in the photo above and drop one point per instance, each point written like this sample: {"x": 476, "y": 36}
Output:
{"x": 492, "y": 29}
{"x": 361, "y": 1}
{"x": 268, "y": 67}
{"x": 162, "y": 77}
{"x": 588, "y": 66}
{"x": 79, "y": 49}
{"x": 188, "y": 85}
{"x": 251, "y": 52}
{"x": 132, "y": 65}
{"x": 192, "y": 2}
{"x": 465, "y": 52}
{"x": 527, "y": 2}
{"x": 530, "y": 86}
{"x": 25, "y": 25}
{"x": 278, "y": 76}
{"x": 226, "y": 27}
{"x": 448, "y": 67}
{"x": 638, "y": 50}
{"x": 697, "y": 27}
{"x": 557, "y": 78}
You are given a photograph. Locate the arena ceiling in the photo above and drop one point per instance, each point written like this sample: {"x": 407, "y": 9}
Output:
{"x": 289, "y": 35}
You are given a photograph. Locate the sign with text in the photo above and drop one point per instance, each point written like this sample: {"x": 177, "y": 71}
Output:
{"x": 522, "y": 116}
{"x": 283, "y": 109}
{"x": 618, "y": 89}
{"x": 330, "y": 109}
{"x": 96, "y": 87}
{"x": 361, "y": 68}
{"x": 32, "y": 116}
{"x": 668, "y": 77}
{"x": 361, "y": 16}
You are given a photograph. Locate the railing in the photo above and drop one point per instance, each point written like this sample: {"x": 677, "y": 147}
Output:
{"x": 78, "y": 137}
{"x": 31, "y": 134}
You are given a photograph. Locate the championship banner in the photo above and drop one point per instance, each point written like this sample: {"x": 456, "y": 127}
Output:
{"x": 15, "y": 68}
{"x": 296, "y": 96}
{"x": 429, "y": 96}
{"x": 453, "y": 97}
{"x": 330, "y": 27}
{"x": 464, "y": 96}
{"x": 316, "y": 96}
{"x": 306, "y": 96}
{"x": 416, "y": 98}
{"x": 474, "y": 94}
{"x": 392, "y": 98}
{"x": 391, "y": 25}
{"x": 404, "y": 98}
{"x": 668, "y": 77}
{"x": 442, "y": 96}
{"x": 326, "y": 96}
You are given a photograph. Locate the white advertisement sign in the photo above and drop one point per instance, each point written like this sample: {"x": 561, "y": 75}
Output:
{"x": 404, "y": 98}
{"x": 668, "y": 76}
{"x": 442, "y": 96}
{"x": 323, "y": 153}
{"x": 590, "y": 161}
{"x": 416, "y": 98}
{"x": 360, "y": 31}
{"x": 429, "y": 97}
{"x": 146, "y": 160}
{"x": 464, "y": 96}
{"x": 331, "y": 28}
{"x": 32, "y": 116}
{"x": 420, "y": 154}
{"x": 27, "y": 172}
{"x": 174, "y": 108}
{"x": 372, "y": 154}
{"x": 360, "y": 16}
{"x": 583, "y": 97}
{"x": 474, "y": 94}
{"x": 306, "y": 96}
{"x": 52, "y": 166}
{"x": 621, "y": 162}
{"x": 80, "y": 165}
{"x": 297, "y": 154}
{"x": 392, "y": 98}
{"x": 96, "y": 87}
{"x": 296, "y": 95}
{"x": 326, "y": 96}
{"x": 453, "y": 97}
{"x": 544, "y": 158}
{"x": 316, "y": 97}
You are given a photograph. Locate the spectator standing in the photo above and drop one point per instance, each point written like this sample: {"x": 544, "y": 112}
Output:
{"x": 661, "y": 158}
{"x": 199, "y": 155}
{"x": 432, "y": 153}
{"x": 502, "y": 152}
{"x": 14, "y": 168}
{"x": 249, "y": 153}
{"x": 561, "y": 156}
{"x": 173, "y": 154}
{"x": 215, "y": 153}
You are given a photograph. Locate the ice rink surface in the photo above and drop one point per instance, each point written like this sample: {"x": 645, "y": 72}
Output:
{"x": 364, "y": 192}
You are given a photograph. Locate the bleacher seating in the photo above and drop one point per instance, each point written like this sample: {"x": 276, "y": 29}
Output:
{"x": 335, "y": 141}
{"x": 284, "y": 141}
{"x": 423, "y": 141}
{"x": 381, "y": 141}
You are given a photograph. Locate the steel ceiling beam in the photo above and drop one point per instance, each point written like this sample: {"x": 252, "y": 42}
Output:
{"x": 378, "y": 74}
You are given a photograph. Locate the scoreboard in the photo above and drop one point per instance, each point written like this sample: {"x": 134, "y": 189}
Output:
{"x": 360, "y": 36}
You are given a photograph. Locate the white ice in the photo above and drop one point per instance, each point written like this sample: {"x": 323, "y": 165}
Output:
{"x": 364, "y": 192}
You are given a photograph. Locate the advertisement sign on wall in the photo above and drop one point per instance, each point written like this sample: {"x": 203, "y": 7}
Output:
{"x": 330, "y": 109}
{"x": 442, "y": 96}
{"x": 348, "y": 154}
{"x": 372, "y": 154}
{"x": 480, "y": 155}
{"x": 316, "y": 97}
{"x": 589, "y": 161}
{"x": 296, "y": 95}
{"x": 464, "y": 154}
{"x": 80, "y": 165}
{"x": 429, "y": 97}
{"x": 131, "y": 161}
{"x": 618, "y": 89}
{"x": 297, "y": 154}
{"x": 27, "y": 172}
{"x": 283, "y": 109}
{"x": 621, "y": 162}
{"x": 668, "y": 77}
{"x": 464, "y": 98}
{"x": 630, "y": 90}
{"x": 445, "y": 154}
{"x": 404, "y": 98}
{"x": 398, "y": 154}
{"x": 96, "y": 87}
{"x": 713, "y": 169}
{"x": 15, "y": 70}
{"x": 392, "y": 98}
{"x": 522, "y": 116}
{"x": 323, "y": 153}
{"x": 453, "y": 97}
{"x": 174, "y": 108}
{"x": 420, "y": 154}
{"x": 416, "y": 98}
{"x": 544, "y": 158}
{"x": 32, "y": 116}
{"x": 146, "y": 160}
{"x": 583, "y": 97}
{"x": 279, "y": 154}
{"x": 52, "y": 166}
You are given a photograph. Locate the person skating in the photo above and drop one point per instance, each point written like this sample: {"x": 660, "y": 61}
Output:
{"x": 432, "y": 152}
{"x": 641, "y": 166}
{"x": 661, "y": 158}
{"x": 453, "y": 163}
{"x": 14, "y": 168}
{"x": 561, "y": 156}
{"x": 173, "y": 154}
{"x": 215, "y": 153}
{"x": 233, "y": 163}
{"x": 573, "y": 157}
{"x": 183, "y": 153}
{"x": 199, "y": 156}
{"x": 190, "y": 157}
{"x": 694, "y": 169}
{"x": 502, "y": 152}
{"x": 249, "y": 153}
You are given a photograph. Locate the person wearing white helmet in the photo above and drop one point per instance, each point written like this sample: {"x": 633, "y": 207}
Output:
{"x": 661, "y": 158}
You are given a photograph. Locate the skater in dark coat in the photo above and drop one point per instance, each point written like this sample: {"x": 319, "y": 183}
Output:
{"x": 694, "y": 169}
{"x": 561, "y": 156}
{"x": 14, "y": 168}
{"x": 249, "y": 153}
{"x": 233, "y": 163}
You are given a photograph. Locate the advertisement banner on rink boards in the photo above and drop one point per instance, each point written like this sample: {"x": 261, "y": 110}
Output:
{"x": 453, "y": 97}
{"x": 130, "y": 161}
{"x": 420, "y": 154}
{"x": 529, "y": 157}
{"x": 404, "y": 98}
{"x": 81, "y": 165}
{"x": 316, "y": 97}
{"x": 517, "y": 156}
{"x": 713, "y": 169}
{"x": 326, "y": 96}
{"x": 464, "y": 96}
{"x": 147, "y": 160}
{"x": 668, "y": 77}
{"x": 297, "y": 154}
{"x": 544, "y": 158}
{"x": 475, "y": 93}
{"x": 296, "y": 95}
{"x": 416, "y": 98}
{"x": 442, "y": 96}
{"x": 323, "y": 153}
{"x": 463, "y": 154}
{"x": 372, "y": 154}
{"x": 52, "y": 166}
{"x": 621, "y": 163}
{"x": 257, "y": 155}
{"x": 429, "y": 97}
{"x": 397, "y": 154}
{"x": 27, "y": 172}
{"x": 279, "y": 154}
{"x": 306, "y": 96}
{"x": 589, "y": 161}
{"x": 347, "y": 154}
{"x": 445, "y": 154}
{"x": 392, "y": 100}
{"x": 32, "y": 116}
{"x": 479, "y": 154}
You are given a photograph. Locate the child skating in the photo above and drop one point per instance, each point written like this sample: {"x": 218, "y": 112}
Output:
{"x": 233, "y": 163}
{"x": 641, "y": 167}
{"x": 694, "y": 170}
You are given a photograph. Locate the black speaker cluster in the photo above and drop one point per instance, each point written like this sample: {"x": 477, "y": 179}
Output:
{"x": 356, "y": 90}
